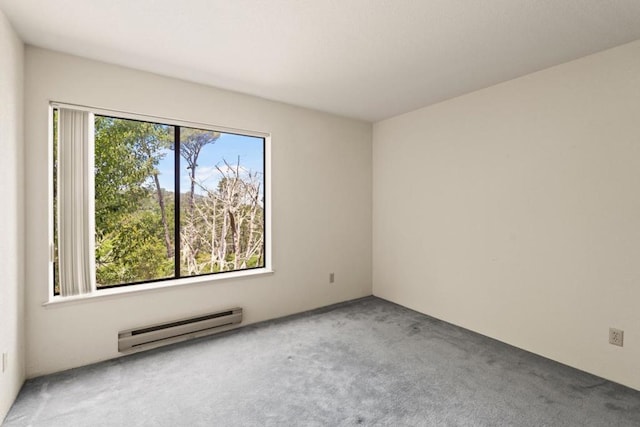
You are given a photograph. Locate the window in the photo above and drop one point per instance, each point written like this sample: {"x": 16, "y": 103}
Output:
{"x": 138, "y": 201}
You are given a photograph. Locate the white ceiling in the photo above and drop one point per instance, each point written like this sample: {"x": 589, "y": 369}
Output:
{"x": 369, "y": 59}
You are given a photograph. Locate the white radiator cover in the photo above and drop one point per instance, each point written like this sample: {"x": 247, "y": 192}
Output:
{"x": 151, "y": 336}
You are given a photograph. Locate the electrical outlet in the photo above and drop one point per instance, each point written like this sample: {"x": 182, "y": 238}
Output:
{"x": 616, "y": 336}
{"x": 5, "y": 362}
{"x": 332, "y": 278}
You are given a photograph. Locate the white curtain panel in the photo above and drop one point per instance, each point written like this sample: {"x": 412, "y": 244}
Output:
{"x": 76, "y": 240}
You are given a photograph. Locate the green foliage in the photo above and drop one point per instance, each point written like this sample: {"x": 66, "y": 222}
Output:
{"x": 133, "y": 252}
{"x": 126, "y": 155}
{"x": 192, "y": 141}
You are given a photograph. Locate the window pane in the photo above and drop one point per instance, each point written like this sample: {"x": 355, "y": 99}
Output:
{"x": 221, "y": 202}
{"x": 134, "y": 201}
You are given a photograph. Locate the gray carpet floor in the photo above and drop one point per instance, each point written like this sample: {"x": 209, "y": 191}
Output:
{"x": 366, "y": 362}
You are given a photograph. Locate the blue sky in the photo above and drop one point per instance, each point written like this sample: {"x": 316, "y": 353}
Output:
{"x": 227, "y": 147}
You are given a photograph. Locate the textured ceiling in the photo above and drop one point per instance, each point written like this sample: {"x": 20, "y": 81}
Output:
{"x": 369, "y": 59}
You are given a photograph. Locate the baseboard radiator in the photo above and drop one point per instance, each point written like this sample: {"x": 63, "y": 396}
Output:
{"x": 161, "y": 334}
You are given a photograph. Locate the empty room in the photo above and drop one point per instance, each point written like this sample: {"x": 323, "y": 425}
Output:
{"x": 320, "y": 213}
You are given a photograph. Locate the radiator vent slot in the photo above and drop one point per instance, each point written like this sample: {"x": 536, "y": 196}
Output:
{"x": 152, "y": 336}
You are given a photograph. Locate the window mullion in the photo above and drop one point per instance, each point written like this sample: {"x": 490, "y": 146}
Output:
{"x": 176, "y": 203}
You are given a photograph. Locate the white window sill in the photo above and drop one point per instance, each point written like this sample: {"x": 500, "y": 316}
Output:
{"x": 124, "y": 291}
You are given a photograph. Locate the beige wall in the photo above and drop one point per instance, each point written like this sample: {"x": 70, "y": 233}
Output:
{"x": 11, "y": 214}
{"x": 321, "y": 208}
{"x": 514, "y": 211}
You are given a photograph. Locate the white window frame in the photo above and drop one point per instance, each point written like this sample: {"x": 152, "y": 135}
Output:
{"x": 164, "y": 283}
